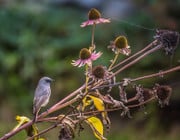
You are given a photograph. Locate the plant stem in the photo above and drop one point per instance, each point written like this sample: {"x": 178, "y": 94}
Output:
{"x": 136, "y": 60}
{"x": 42, "y": 132}
{"x": 114, "y": 61}
{"x": 92, "y": 37}
{"x": 157, "y": 74}
{"x": 58, "y": 106}
{"x": 141, "y": 78}
{"x": 87, "y": 78}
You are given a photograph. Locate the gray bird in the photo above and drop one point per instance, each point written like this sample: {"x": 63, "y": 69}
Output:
{"x": 41, "y": 95}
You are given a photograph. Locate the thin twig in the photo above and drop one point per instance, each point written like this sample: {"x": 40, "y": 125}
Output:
{"x": 157, "y": 74}
{"x": 113, "y": 61}
{"x": 92, "y": 36}
{"x": 44, "y": 131}
{"x": 12, "y": 133}
{"x": 136, "y": 60}
{"x": 58, "y": 106}
{"x": 96, "y": 112}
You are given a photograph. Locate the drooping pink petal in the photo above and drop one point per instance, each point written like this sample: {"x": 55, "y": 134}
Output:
{"x": 76, "y": 63}
{"x": 96, "y": 21}
{"x": 125, "y": 51}
{"x": 104, "y": 20}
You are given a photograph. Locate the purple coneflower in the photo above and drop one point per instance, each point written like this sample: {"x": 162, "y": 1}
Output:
{"x": 86, "y": 57}
{"x": 94, "y": 18}
{"x": 120, "y": 45}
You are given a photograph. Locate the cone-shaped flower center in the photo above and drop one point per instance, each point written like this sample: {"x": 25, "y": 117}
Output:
{"x": 84, "y": 54}
{"x": 98, "y": 72}
{"x": 94, "y": 14}
{"x": 121, "y": 42}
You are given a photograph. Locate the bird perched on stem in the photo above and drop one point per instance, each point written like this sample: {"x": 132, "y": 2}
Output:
{"x": 41, "y": 95}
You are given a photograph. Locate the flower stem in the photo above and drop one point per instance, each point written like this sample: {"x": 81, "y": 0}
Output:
{"x": 92, "y": 37}
{"x": 87, "y": 79}
{"x": 136, "y": 60}
{"x": 114, "y": 61}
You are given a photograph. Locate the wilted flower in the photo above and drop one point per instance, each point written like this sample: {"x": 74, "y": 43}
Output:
{"x": 143, "y": 94}
{"x": 122, "y": 93}
{"x": 86, "y": 57}
{"x": 99, "y": 72}
{"x": 163, "y": 93}
{"x": 168, "y": 39}
{"x": 66, "y": 133}
{"x": 94, "y": 18}
{"x": 120, "y": 45}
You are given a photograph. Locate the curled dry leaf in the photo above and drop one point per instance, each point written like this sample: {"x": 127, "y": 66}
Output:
{"x": 96, "y": 126}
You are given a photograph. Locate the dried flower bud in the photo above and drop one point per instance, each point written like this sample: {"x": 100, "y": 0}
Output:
{"x": 163, "y": 93}
{"x": 169, "y": 40}
{"x": 98, "y": 72}
{"x": 94, "y": 14}
{"x": 66, "y": 133}
{"x": 147, "y": 94}
{"x": 67, "y": 128}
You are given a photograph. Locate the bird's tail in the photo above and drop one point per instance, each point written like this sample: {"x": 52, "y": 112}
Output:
{"x": 35, "y": 113}
{"x": 35, "y": 118}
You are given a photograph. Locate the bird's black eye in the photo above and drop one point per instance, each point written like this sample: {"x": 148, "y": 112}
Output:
{"x": 48, "y": 80}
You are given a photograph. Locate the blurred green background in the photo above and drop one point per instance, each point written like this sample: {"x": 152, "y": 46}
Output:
{"x": 42, "y": 38}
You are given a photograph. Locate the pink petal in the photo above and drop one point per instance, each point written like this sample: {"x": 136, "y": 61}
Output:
{"x": 104, "y": 20}
{"x": 97, "y": 21}
{"x": 95, "y": 56}
{"x": 86, "y": 23}
{"x": 76, "y": 63}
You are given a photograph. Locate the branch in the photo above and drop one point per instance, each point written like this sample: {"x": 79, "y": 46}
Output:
{"x": 141, "y": 78}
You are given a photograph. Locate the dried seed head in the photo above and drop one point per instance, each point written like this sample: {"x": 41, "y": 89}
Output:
{"x": 98, "y": 72}
{"x": 143, "y": 94}
{"x": 169, "y": 40}
{"x": 122, "y": 93}
{"x": 163, "y": 93}
{"x": 121, "y": 42}
{"x": 66, "y": 133}
{"x": 94, "y": 14}
{"x": 147, "y": 94}
{"x": 84, "y": 54}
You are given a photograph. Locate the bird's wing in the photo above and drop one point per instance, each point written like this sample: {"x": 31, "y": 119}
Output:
{"x": 41, "y": 97}
{"x": 42, "y": 90}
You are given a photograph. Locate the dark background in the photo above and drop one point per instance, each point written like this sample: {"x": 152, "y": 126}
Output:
{"x": 42, "y": 38}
